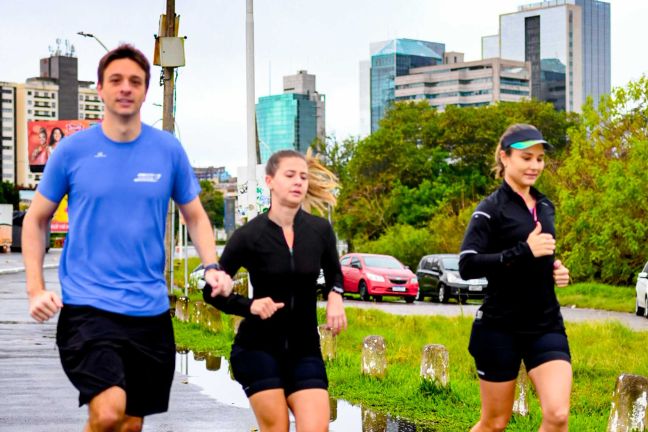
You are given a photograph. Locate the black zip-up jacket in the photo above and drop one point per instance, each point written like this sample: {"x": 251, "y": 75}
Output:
{"x": 520, "y": 296}
{"x": 286, "y": 276}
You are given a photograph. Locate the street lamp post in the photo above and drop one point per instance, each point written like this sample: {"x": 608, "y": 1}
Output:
{"x": 90, "y": 35}
{"x": 251, "y": 127}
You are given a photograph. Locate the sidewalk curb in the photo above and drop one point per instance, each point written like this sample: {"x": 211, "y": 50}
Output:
{"x": 22, "y": 269}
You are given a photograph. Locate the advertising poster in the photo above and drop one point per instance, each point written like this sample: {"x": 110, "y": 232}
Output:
{"x": 44, "y": 135}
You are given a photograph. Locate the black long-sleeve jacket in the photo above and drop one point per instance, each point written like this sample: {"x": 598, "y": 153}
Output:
{"x": 287, "y": 276}
{"x": 520, "y": 296}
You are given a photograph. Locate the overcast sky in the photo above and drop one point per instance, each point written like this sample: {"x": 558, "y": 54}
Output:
{"x": 325, "y": 37}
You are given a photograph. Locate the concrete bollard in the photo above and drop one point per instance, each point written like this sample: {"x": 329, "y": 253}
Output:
{"x": 182, "y": 309}
{"x": 212, "y": 320}
{"x": 196, "y": 312}
{"x": 374, "y": 356}
{"x": 629, "y": 402}
{"x": 373, "y": 421}
{"x": 213, "y": 362}
{"x": 521, "y": 403}
{"x": 172, "y": 304}
{"x": 236, "y": 322}
{"x": 327, "y": 342}
{"x": 333, "y": 409}
{"x": 435, "y": 364}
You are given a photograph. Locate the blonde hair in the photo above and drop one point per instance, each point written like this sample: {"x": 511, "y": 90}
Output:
{"x": 321, "y": 181}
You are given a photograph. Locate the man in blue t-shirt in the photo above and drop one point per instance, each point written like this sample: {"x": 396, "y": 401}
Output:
{"x": 114, "y": 332}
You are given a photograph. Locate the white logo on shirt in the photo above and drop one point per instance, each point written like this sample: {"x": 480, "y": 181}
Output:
{"x": 148, "y": 177}
{"x": 101, "y": 155}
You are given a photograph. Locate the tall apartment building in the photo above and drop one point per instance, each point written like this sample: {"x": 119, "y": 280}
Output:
{"x": 56, "y": 94}
{"x": 567, "y": 43}
{"x": 291, "y": 120}
{"x": 391, "y": 59}
{"x": 8, "y": 130}
{"x": 466, "y": 84}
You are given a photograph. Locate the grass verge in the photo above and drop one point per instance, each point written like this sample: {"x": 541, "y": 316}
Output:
{"x": 600, "y": 352}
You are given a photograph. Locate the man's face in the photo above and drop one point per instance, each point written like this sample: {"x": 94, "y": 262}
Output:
{"x": 123, "y": 90}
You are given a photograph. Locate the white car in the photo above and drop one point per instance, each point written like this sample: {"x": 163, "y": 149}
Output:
{"x": 641, "y": 305}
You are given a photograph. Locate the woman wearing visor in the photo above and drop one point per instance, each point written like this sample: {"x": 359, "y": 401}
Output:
{"x": 510, "y": 240}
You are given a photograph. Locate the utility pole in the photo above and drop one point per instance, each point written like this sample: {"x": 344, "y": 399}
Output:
{"x": 168, "y": 124}
{"x": 251, "y": 108}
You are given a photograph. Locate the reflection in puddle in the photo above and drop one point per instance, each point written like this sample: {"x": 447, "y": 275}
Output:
{"x": 212, "y": 374}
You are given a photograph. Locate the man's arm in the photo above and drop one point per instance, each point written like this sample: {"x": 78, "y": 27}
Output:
{"x": 202, "y": 236}
{"x": 43, "y": 304}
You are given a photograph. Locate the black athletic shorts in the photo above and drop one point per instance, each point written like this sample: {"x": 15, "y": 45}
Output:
{"x": 498, "y": 353}
{"x": 259, "y": 370}
{"x": 100, "y": 349}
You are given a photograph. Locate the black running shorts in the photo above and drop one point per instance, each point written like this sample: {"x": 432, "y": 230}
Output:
{"x": 259, "y": 370}
{"x": 100, "y": 349}
{"x": 498, "y": 353}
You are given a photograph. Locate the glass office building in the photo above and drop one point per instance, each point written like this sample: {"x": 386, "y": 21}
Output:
{"x": 567, "y": 43}
{"x": 394, "y": 58}
{"x": 285, "y": 121}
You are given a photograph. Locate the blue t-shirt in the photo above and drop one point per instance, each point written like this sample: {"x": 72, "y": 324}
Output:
{"x": 118, "y": 195}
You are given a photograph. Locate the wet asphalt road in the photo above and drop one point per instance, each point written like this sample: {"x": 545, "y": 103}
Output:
{"x": 37, "y": 397}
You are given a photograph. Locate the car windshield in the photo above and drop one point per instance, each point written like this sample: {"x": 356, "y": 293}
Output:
{"x": 451, "y": 264}
{"x": 382, "y": 262}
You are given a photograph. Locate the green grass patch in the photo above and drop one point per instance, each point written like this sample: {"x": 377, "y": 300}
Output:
{"x": 600, "y": 351}
{"x": 598, "y": 296}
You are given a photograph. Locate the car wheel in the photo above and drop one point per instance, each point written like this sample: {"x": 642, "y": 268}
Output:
{"x": 639, "y": 311}
{"x": 362, "y": 290}
{"x": 378, "y": 298}
{"x": 419, "y": 295}
{"x": 442, "y": 295}
{"x": 409, "y": 300}
{"x": 646, "y": 307}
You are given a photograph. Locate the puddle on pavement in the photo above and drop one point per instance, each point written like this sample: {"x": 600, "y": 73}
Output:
{"x": 212, "y": 374}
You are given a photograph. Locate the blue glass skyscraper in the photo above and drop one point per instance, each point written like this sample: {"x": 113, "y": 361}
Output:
{"x": 285, "y": 121}
{"x": 394, "y": 58}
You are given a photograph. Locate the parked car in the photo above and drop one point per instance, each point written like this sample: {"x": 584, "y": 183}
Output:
{"x": 376, "y": 276}
{"x": 438, "y": 277}
{"x": 641, "y": 302}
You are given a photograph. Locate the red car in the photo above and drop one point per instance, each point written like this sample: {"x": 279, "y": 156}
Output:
{"x": 378, "y": 276}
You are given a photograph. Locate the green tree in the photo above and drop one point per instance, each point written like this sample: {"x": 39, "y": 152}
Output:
{"x": 335, "y": 154}
{"x": 213, "y": 202}
{"x": 9, "y": 194}
{"x": 603, "y": 214}
{"x": 421, "y": 162}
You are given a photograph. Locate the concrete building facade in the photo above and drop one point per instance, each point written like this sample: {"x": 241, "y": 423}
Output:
{"x": 466, "y": 84}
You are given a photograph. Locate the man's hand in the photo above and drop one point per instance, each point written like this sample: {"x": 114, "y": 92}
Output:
{"x": 335, "y": 316}
{"x": 265, "y": 307}
{"x": 541, "y": 244}
{"x": 44, "y": 305}
{"x": 220, "y": 282}
{"x": 560, "y": 274}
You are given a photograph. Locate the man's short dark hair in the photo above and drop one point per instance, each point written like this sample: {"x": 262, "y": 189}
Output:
{"x": 124, "y": 51}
